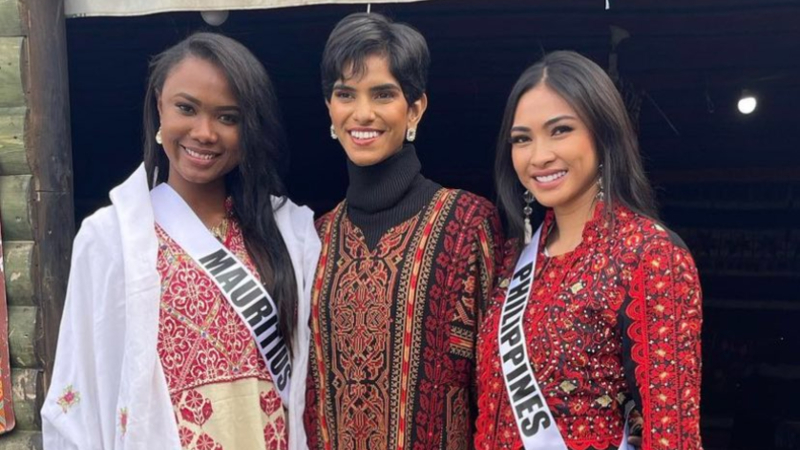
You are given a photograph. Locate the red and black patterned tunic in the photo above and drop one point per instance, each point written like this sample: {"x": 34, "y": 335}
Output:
{"x": 394, "y": 327}
{"x": 617, "y": 319}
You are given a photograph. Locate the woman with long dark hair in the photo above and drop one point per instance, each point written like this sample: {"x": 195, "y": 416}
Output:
{"x": 593, "y": 340}
{"x": 185, "y": 324}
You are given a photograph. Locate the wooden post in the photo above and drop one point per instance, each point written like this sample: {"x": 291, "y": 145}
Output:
{"x": 50, "y": 157}
{"x": 35, "y": 198}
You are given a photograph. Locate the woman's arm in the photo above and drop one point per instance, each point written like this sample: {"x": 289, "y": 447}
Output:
{"x": 662, "y": 344}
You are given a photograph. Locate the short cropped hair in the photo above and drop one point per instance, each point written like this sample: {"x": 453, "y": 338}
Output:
{"x": 362, "y": 35}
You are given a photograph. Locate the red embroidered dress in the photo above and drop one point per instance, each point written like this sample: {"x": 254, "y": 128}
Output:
{"x": 221, "y": 390}
{"x": 393, "y": 327}
{"x": 617, "y": 318}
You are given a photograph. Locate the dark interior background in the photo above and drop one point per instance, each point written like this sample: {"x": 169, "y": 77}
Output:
{"x": 728, "y": 183}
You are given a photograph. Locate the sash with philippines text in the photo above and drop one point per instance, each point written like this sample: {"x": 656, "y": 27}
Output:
{"x": 535, "y": 422}
{"x": 238, "y": 285}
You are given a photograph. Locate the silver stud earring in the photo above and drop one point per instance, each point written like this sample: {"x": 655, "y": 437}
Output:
{"x": 158, "y": 136}
{"x": 411, "y": 134}
{"x": 527, "y": 211}
{"x": 333, "y": 133}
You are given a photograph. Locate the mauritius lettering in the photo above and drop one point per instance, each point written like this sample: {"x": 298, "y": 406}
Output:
{"x": 250, "y": 299}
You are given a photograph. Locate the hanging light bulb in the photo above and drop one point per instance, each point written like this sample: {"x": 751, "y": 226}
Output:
{"x": 214, "y": 18}
{"x": 747, "y": 102}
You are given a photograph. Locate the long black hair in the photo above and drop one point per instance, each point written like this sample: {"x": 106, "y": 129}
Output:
{"x": 262, "y": 145}
{"x": 593, "y": 96}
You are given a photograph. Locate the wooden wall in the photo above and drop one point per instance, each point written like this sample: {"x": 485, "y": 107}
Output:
{"x": 35, "y": 198}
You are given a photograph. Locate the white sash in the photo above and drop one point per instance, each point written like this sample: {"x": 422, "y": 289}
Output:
{"x": 238, "y": 285}
{"x": 535, "y": 422}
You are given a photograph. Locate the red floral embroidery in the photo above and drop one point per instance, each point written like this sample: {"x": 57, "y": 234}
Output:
{"x": 186, "y": 435}
{"x": 275, "y": 435}
{"x": 69, "y": 398}
{"x": 123, "y": 421}
{"x": 628, "y": 294}
{"x": 270, "y": 402}
{"x": 195, "y": 408}
{"x": 203, "y": 341}
{"x": 204, "y": 442}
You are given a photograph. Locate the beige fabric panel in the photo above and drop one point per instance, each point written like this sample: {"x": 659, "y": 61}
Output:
{"x": 89, "y": 8}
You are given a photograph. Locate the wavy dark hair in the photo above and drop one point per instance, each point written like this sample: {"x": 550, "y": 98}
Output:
{"x": 262, "y": 145}
{"x": 591, "y": 93}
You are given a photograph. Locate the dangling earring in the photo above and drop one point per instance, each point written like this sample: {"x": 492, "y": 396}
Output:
{"x": 527, "y": 210}
{"x": 600, "y": 194}
{"x": 158, "y": 136}
{"x": 411, "y": 134}
{"x": 333, "y": 133}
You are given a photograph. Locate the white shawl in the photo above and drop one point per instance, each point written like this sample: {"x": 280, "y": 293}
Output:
{"x": 108, "y": 389}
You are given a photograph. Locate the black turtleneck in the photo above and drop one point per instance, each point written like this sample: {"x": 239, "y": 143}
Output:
{"x": 388, "y": 193}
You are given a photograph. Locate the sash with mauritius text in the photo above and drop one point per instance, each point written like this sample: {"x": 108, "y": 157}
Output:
{"x": 238, "y": 285}
{"x": 535, "y": 422}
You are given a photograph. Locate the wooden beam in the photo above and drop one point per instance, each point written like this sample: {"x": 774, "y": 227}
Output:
{"x": 22, "y": 440}
{"x": 27, "y": 392}
{"x": 10, "y": 23}
{"x": 13, "y": 159}
{"x": 22, "y": 336}
{"x": 12, "y": 90}
{"x": 18, "y": 258}
{"x": 48, "y": 141}
{"x": 15, "y": 207}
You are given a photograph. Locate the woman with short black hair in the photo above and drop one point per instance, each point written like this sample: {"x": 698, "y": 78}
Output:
{"x": 406, "y": 265}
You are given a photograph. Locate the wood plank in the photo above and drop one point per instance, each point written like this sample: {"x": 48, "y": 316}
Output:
{"x": 15, "y": 207}
{"x": 22, "y": 336}
{"x": 13, "y": 158}
{"x": 22, "y": 440}
{"x": 27, "y": 393}
{"x": 50, "y": 157}
{"x": 18, "y": 257}
{"x": 10, "y": 21}
{"x": 12, "y": 90}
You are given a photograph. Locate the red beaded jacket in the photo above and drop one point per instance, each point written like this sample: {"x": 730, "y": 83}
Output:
{"x": 616, "y": 320}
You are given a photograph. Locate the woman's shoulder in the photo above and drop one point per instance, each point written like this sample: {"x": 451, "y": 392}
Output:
{"x": 295, "y": 222}
{"x": 100, "y": 229}
{"x": 481, "y": 205}
{"x": 639, "y": 232}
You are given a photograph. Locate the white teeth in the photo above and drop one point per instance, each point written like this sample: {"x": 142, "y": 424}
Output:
{"x": 200, "y": 155}
{"x": 364, "y": 134}
{"x": 552, "y": 177}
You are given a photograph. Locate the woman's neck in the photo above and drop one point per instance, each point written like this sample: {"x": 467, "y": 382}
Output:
{"x": 570, "y": 222}
{"x": 206, "y": 200}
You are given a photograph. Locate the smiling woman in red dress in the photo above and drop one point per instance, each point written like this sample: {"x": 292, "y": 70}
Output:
{"x": 610, "y": 323}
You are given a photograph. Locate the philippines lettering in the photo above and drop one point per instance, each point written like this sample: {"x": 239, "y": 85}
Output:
{"x": 527, "y": 401}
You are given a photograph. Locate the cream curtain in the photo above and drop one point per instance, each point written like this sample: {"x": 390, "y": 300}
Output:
{"x": 87, "y": 8}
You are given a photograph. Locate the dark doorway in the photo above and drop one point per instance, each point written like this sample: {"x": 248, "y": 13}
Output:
{"x": 728, "y": 183}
